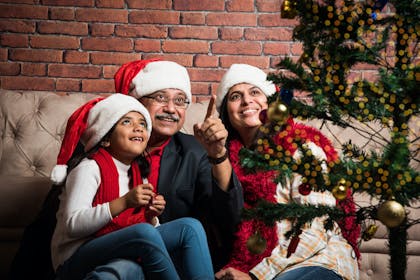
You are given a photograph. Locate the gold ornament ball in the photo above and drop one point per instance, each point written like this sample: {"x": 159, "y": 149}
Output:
{"x": 278, "y": 112}
{"x": 340, "y": 191}
{"x": 256, "y": 244}
{"x": 391, "y": 213}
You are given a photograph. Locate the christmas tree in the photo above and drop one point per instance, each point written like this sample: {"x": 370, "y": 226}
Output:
{"x": 338, "y": 37}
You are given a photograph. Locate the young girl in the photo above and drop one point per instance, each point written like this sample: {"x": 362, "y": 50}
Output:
{"x": 107, "y": 225}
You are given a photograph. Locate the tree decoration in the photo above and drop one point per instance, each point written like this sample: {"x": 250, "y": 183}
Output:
{"x": 278, "y": 112}
{"x": 288, "y": 9}
{"x": 256, "y": 244}
{"x": 391, "y": 213}
{"x": 340, "y": 191}
{"x": 338, "y": 37}
{"x": 369, "y": 232}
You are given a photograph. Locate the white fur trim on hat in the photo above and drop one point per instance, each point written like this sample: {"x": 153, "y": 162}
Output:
{"x": 59, "y": 174}
{"x": 158, "y": 75}
{"x": 243, "y": 73}
{"x": 106, "y": 113}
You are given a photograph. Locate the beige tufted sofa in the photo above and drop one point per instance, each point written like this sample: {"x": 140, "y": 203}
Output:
{"x": 31, "y": 127}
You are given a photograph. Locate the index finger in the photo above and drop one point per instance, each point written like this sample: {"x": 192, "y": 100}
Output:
{"x": 212, "y": 107}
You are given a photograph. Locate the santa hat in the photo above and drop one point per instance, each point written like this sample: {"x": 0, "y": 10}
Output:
{"x": 144, "y": 77}
{"x": 243, "y": 73}
{"x": 90, "y": 123}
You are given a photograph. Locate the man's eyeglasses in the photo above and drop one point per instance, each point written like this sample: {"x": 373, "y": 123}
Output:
{"x": 162, "y": 100}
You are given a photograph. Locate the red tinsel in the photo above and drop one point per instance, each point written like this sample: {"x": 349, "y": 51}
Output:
{"x": 260, "y": 185}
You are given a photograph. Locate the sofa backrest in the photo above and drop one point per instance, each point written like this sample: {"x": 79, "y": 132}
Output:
{"x": 32, "y": 126}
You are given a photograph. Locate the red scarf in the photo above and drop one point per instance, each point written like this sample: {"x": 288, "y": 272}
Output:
{"x": 260, "y": 185}
{"x": 109, "y": 190}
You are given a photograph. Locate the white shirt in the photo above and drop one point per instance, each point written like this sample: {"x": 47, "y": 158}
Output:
{"x": 77, "y": 220}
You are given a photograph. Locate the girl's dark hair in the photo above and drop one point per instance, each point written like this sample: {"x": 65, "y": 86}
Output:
{"x": 80, "y": 154}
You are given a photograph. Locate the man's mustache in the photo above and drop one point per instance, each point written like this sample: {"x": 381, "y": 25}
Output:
{"x": 167, "y": 116}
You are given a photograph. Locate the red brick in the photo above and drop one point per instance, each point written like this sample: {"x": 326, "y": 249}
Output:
{"x": 232, "y": 19}
{"x": 99, "y": 58}
{"x": 62, "y": 13}
{"x": 231, "y": 33}
{"x": 3, "y": 54}
{"x": 34, "y": 69}
{"x": 54, "y": 42}
{"x": 9, "y": 69}
{"x": 14, "y": 40}
{"x": 276, "y": 34}
{"x": 205, "y": 75}
{"x": 102, "y": 29}
{"x": 107, "y": 44}
{"x": 76, "y": 57}
{"x": 213, "y": 87}
{"x": 19, "y": 26}
{"x": 27, "y": 83}
{"x": 240, "y": 6}
{"x": 78, "y": 3}
{"x": 150, "y": 4}
{"x": 154, "y": 17}
{"x": 109, "y": 3}
{"x": 23, "y": 11}
{"x": 276, "y": 48}
{"x": 110, "y": 70}
{"x": 142, "y": 31}
{"x": 68, "y": 85}
{"x": 371, "y": 76}
{"x": 202, "y": 5}
{"x": 193, "y": 32}
{"x": 18, "y": 1}
{"x": 297, "y": 48}
{"x": 273, "y": 20}
{"x": 74, "y": 71}
{"x": 183, "y": 59}
{"x": 185, "y": 46}
{"x": 98, "y": 86}
{"x": 68, "y": 28}
{"x": 258, "y": 61}
{"x": 200, "y": 89}
{"x": 268, "y": 5}
{"x": 206, "y": 61}
{"x": 236, "y": 48}
{"x": 193, "y": 18}
{"x": 102, "y": 15}
{"x": 36, "y": 55}
{"x": 145, "y": 45}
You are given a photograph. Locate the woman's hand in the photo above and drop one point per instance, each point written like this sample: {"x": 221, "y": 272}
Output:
{"x": 232, "y": 274}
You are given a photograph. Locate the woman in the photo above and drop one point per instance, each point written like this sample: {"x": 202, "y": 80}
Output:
{"x": 319, "y": 254}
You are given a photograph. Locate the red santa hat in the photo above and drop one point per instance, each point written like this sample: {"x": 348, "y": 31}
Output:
{"x": 90, "y": 123}
{"x": 243, "y": 73}
{"x": 143, "y": 77}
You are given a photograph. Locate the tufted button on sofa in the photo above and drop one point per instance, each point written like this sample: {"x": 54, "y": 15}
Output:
{"x": 32, "y": 125}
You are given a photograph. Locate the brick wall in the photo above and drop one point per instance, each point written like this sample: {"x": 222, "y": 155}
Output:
{"x": 77, "y": 45}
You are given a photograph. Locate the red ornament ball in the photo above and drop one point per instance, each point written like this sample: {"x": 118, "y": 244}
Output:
{"x": 263, "y": 116}
{"x": 304, "y": 189}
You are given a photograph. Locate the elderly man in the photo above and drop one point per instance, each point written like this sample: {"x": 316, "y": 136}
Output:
{"x": 196, "y": 180}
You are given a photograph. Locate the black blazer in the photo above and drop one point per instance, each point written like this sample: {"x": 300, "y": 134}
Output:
{"x": 186, "y": 182}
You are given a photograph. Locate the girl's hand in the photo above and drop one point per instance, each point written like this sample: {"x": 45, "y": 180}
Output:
{"x": 139, "y": 196}
{"x": 156, "y": 206}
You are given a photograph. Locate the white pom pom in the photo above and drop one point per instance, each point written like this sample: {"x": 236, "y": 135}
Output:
{"x": 59, "y": 174}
